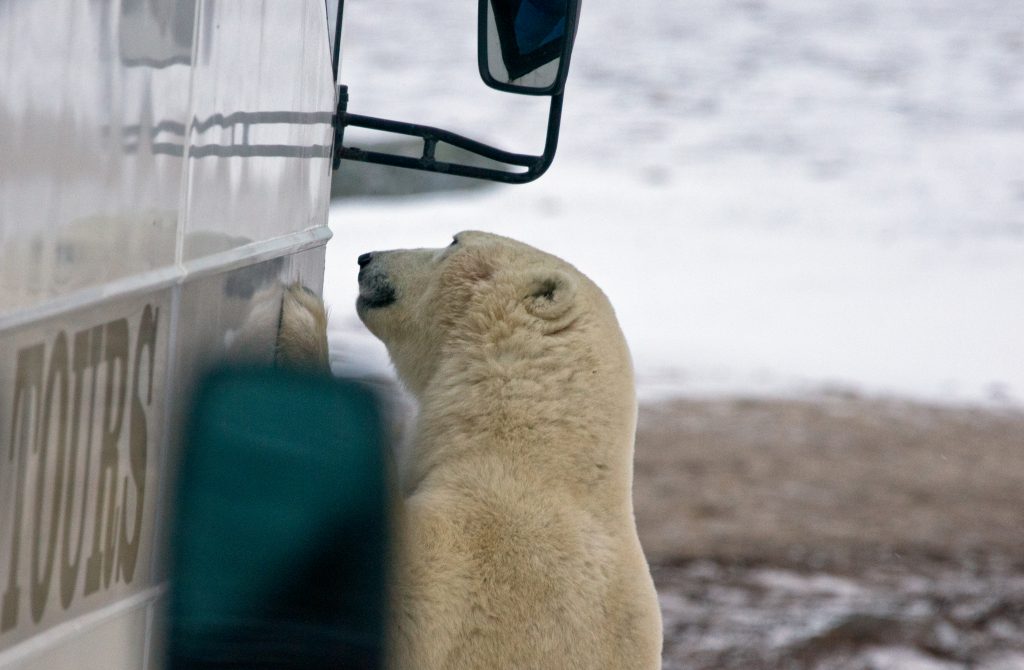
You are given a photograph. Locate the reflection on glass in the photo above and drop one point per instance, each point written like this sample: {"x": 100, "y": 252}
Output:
{"x": 525, "y": 40}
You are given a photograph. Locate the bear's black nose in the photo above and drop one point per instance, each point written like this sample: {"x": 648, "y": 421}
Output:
{"x": 364, "y": 260}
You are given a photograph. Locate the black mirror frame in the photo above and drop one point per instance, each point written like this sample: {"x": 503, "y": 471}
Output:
{"x": 535, "y": 165}
{"x": 556, "y": 88}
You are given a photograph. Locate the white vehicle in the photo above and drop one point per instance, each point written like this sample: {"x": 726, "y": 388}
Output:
{"x": 165, "y": 170}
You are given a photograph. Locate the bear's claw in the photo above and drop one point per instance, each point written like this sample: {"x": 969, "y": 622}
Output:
{"x": 302, "y": 334}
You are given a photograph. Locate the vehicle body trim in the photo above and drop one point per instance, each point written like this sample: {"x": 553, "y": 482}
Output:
{"x": 72, "y": 628}
{"x": 161, "y": 278}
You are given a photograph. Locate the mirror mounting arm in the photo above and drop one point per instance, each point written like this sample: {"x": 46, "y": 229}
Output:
{"x": 535, "y": 165}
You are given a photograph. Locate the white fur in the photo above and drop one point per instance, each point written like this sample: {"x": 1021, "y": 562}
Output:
{"x": 302, "y": 335}
{"x": 516, "y": 545}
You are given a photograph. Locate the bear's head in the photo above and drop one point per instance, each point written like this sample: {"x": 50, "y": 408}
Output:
{"x": 482, "y": 302}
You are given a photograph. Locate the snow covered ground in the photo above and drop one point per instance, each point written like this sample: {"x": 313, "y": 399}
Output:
{"x": 784, "y": 196}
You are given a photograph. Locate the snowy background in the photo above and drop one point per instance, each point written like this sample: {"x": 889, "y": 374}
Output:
{"x": 802, "y": 200}
{"x": 782, "y": 197}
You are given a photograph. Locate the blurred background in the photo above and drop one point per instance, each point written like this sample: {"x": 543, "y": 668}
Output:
{"x": 810, "y": 219}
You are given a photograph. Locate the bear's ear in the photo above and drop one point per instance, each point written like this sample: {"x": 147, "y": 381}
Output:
{"x": 550, "y": 294}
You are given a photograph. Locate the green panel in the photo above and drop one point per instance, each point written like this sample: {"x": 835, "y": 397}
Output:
{"x": 278, "y": 553}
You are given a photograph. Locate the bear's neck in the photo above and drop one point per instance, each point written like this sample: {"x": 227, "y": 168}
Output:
{"x": 566, "y": 416}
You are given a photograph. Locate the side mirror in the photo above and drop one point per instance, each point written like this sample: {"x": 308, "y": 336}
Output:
{"x": 524, "y": 45}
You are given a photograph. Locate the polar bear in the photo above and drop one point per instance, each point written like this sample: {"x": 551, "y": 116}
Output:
{"x": 517, "y": 546}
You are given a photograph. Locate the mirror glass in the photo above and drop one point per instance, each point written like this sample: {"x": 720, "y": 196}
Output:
{"x": 525, "y": 43}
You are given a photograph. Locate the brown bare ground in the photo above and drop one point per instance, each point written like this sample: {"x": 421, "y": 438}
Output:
{"x": 834, "y": 532}
{"x": 830, "y": 479}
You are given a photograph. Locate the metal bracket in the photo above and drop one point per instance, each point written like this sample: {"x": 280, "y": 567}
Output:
{"x": 535, "y": 165}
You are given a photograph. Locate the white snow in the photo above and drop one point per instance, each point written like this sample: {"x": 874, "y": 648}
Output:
{"x": 905, "y": 658}
{"x": 778, "y": 197}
